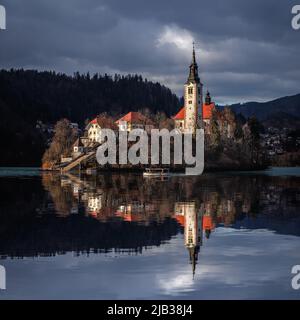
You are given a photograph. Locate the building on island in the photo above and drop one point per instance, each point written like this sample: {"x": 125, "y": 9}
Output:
{"x": 207, "y": 109}
{"x": 135, "y": 120}
{"x": 94, "y": 128}
{"x": 189, "y": 118}
{"x": 194, "y": 114}
{"x": 78, "y": 147}
{"x": 94, "y": 131}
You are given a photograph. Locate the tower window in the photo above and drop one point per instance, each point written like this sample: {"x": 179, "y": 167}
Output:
{"x": 190, "y": 90}
{"x": 190, "y": 102}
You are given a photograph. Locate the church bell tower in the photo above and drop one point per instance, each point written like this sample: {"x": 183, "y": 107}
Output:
{"x": 193, "y": 98}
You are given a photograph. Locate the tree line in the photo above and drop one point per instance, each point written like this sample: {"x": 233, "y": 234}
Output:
{"x": 27, "y": 96}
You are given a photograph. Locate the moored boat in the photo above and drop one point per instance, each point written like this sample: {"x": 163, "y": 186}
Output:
{"x": 156, "y": 172}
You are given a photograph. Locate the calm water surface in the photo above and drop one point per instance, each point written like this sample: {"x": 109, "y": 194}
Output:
{"x": 220, "y": 236}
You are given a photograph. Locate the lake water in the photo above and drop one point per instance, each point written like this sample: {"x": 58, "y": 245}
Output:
{"x": 232, "y": 235}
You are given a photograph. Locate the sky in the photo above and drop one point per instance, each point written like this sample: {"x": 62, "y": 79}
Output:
{"x": 246, "y": 50}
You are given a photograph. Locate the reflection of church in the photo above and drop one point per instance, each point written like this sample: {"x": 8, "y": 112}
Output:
{"x": 202, "y": 221}
{"x": 190, "y": 217}
{"x": 125, "y": 198}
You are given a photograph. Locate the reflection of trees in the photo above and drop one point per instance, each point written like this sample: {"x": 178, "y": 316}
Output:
{"x": 61, "y": 193}
{"x": 226, "y": 198}
{"x": 48, "y": 235}
{"x": 128, "y": 212}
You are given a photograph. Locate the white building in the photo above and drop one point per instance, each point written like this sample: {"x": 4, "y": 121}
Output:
{"x": 190, "y": 116}
{"x": 78, "y": 148}
{"x": 94, "y": 131}
{"x": 193, "y": 98}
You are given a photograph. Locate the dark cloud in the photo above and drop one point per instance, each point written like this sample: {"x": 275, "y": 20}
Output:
{"x": 246, "y": 50}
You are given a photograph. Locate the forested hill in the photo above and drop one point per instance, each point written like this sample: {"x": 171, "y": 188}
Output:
{"x": 28, "y": 96}
{"x": 262, "y": 110}
{"x": 49, "y": 96}
{"x": 282, "y": 112}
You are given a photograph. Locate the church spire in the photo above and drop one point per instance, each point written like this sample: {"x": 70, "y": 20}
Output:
{"x": 194, "y": 56}
{"x": 194, "y": 251}
{"x": 193, "y": 76}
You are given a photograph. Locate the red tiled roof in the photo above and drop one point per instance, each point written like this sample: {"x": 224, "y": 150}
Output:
{"x": 180, "y": 115}
{"x": 103, "y": 122}
{"x": 207, "y": 110}
{"x": 134, "y": 117}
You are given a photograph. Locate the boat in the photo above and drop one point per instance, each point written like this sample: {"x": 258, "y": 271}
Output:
{"x": 156, "y": 172}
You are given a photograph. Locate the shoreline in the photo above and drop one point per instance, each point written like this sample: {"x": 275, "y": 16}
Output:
{"x": 139, "y": 170}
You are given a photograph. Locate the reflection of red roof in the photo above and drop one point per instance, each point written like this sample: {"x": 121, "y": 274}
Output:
{"x": 129, "y": 217}
{"x": 180, "y": 115}
{"x": 207, "y": 110}
{"x": 94, "y": 214}
{"x": 208, "y": 223}
{"x": 135, "y": 117}
{"x": 180, "y": 219}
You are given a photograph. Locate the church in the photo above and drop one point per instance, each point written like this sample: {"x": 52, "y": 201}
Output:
{"x": 194, "y": 114}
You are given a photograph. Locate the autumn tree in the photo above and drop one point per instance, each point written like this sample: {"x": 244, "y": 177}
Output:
{"x": 61, "y": 145}
{"x": 106, "y": 122}
{"x": 215, "y": 136}
{"x": 163, "y": 122}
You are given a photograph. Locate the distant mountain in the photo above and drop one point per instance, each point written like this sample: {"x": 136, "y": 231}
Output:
{"x": 282, "y": 112}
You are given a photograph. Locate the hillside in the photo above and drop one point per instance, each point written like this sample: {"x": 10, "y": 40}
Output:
{"x": 28, "y": 96}
{"x": 282, "y": 120}
{"x": 282, "y": 112}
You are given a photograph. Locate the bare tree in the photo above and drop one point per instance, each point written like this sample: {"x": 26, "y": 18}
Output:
{"x": 61, "y": 144}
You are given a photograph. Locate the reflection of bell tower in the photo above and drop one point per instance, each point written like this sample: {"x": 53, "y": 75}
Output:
{"x": 193, "y": 233}
{"x": 194, "y": 251}
{"x": 190, "y": 218}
